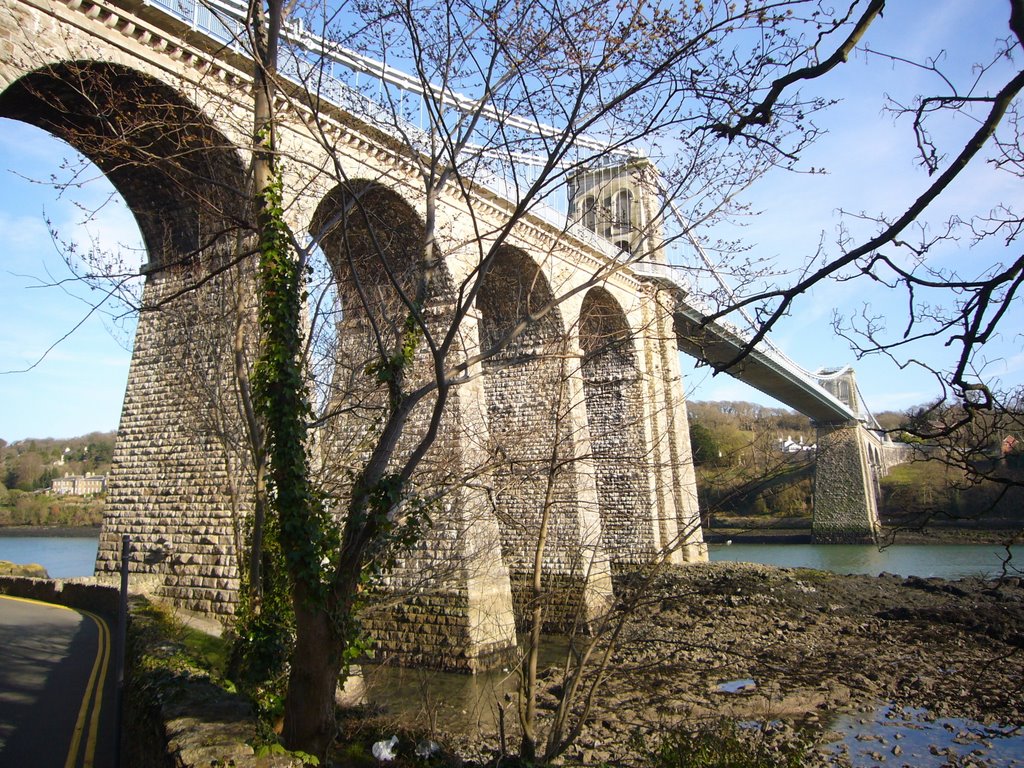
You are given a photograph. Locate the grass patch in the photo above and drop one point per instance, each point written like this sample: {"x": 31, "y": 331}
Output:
{"x": 178, "y": 645}
{"x": 725, "y": 744}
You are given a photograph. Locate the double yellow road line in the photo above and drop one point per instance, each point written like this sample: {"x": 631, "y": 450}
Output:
{"x": 92, "y": 698}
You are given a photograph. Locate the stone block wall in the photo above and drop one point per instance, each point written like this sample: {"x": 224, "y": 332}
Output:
{"x": 180, "y": 480}
{"x": 541, "y": 488}
{"x": 845, "y": 503}
{"x": 675, "y": 477}
{"x": 621, "y": 457}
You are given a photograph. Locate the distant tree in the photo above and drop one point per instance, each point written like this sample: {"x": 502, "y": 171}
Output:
{"x": 27, "y": 471}
{"x": 704, "y": 445}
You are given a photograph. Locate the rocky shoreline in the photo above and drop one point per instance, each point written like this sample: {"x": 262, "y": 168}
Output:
{"x": 814, "y": 645}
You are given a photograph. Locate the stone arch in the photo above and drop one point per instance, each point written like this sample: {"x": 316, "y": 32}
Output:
{"x": 590, "y": 213}
{"x": 513, "y": 289}
{"x": 184, "y": 183}
{"x": 372, "y": 240}
{"x": 179, "y": 480}
{"x": 614, "y": 397}
{"x": 622, "y": 209}
{"x": 450, "y": 600}
{"x": 535, "y": 439}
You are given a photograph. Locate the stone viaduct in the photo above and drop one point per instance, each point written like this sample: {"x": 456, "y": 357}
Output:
{"x": 593, "y": 381}
{"x": 581, "y": 414}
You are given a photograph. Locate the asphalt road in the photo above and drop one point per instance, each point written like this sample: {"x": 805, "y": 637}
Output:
{"x": 56, "y": 687}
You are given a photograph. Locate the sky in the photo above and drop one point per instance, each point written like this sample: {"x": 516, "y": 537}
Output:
{"x": 63, "y": 365}
{"x": 870, "y": 162}
{"x": 63, "y": 368}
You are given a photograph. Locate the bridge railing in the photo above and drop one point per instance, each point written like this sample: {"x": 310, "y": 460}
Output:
{"x": 677, "y": 278}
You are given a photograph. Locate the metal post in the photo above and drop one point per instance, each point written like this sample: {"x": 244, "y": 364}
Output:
{"x": 122, "y": 642}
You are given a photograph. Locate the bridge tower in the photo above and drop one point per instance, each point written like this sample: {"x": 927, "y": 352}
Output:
{"x": 617, "y": 200}
{"x": 845, "y": 484}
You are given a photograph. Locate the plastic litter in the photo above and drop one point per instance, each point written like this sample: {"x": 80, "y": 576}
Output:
{"x": 385, "y": 750}
{"x": 744, "y": 685}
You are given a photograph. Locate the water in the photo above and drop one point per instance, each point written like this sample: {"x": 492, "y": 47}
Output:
{"x": 913, "y": 737}
{"x": 74, "y": 556}
{"x": 947, "y": 561}
{"x": 63, "y": 557}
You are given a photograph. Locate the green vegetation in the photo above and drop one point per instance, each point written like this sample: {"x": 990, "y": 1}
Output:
{"x": 176, "y": 667}
{"x": 42, "y": 509}
{"x": 28, "y": 467}
{"x": 178, "y": 646}
{"x": 741, "y": 467}
{"x": 976, "y": 473}
{"x": 936, "y": 492}
{"x": 32, "y": 464}
{"x": 724, "y": 744}
{"x": 32, "y": 570}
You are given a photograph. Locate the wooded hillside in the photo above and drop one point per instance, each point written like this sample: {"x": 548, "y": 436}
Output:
{"x": 28, "y": 467}
{"x": 743, "y": 470}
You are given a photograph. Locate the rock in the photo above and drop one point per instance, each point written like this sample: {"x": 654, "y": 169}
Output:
{"x": 29, "y": 570}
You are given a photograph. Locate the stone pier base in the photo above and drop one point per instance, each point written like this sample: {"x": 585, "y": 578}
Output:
{"x": 845, "y": 502}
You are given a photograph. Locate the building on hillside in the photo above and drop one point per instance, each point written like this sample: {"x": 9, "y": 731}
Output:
{"x": 79, "y": 485}
{"x": 789, "y": 445}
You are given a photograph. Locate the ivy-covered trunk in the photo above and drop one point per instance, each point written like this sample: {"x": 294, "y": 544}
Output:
{"x": 303, "y": 528}
{"x": 309, "y": 723}
{"x": 282, "y": 401}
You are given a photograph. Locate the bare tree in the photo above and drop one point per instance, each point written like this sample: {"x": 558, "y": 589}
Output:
{"x": 535, "y": 94}
{"x": 966, "y": 306}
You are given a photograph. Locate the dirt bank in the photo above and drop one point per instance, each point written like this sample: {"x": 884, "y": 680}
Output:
{"x": 815, "y": 644}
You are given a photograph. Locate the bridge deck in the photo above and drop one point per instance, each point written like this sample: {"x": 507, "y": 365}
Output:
{"x": 718, "y": 345}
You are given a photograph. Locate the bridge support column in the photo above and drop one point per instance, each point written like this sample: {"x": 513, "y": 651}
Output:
{"x": 180, "y": 483}
{"x": 675, "y": 479}
{"x": 845, "y": 500}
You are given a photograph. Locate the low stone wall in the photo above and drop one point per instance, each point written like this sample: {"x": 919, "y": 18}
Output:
{"x": 73, "y": 593}
{"x": 176, "y": 716}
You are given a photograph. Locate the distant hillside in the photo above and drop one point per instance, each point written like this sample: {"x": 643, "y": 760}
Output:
{"x": 28, "y": 467}
{"x": 741, "y": 471}
{"x": 740, "y": 465}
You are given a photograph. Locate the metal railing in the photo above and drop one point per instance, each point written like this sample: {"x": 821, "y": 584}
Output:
{"x": 387, "y": 98}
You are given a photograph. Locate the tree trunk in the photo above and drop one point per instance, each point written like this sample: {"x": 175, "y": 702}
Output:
{"x": 309, "y": 723}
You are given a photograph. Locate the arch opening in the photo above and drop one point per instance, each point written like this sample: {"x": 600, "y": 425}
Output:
{"x": 632, "y": 532}
{"x": 181, "y": 473}
{"x": 177, "y": 173}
